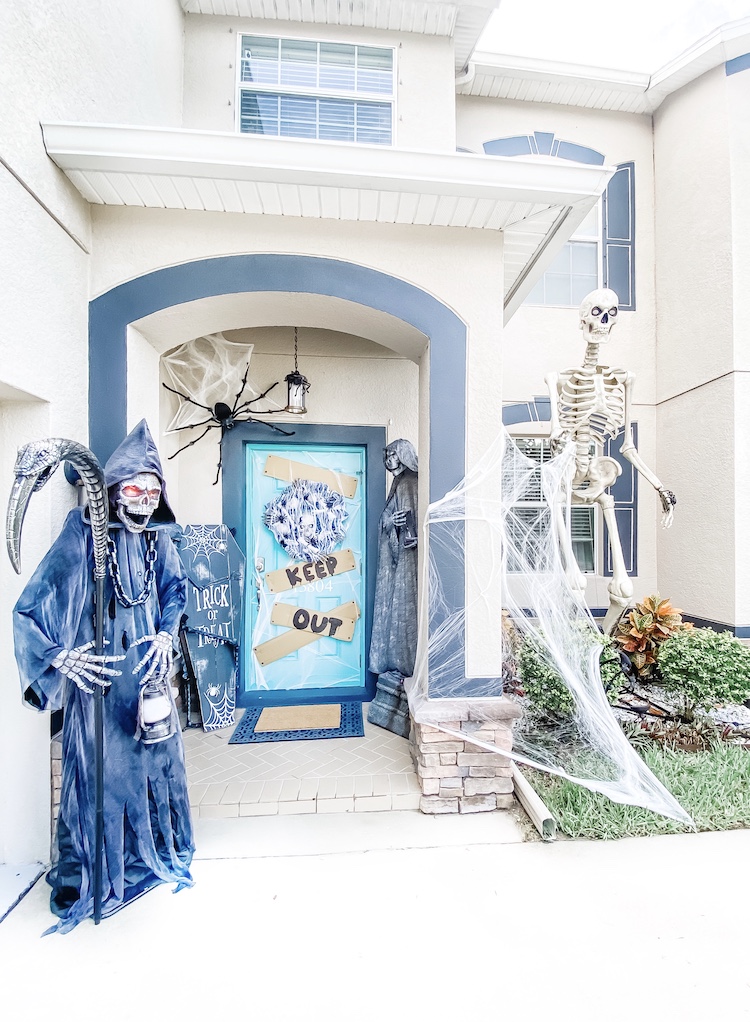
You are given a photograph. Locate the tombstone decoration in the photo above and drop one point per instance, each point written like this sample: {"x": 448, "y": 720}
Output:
{"x": 210, "y": 632}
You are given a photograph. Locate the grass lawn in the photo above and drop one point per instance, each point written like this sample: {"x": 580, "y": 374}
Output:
{"x": 713, "y": 786}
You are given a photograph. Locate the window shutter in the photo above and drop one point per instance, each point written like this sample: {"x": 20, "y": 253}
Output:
{"x": 618, "y": 235}
{"x": 625, "y": 493}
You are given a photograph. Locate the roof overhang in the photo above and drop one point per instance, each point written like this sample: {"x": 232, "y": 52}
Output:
{"x": 537, "y": 202}
{"x": 542, "y": 81}
{"x": 463, "y": 20}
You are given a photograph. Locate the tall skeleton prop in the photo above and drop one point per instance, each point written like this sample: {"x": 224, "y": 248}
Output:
{"x": 589, "y": 405}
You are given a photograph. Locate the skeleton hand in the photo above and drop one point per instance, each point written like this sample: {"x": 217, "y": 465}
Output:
{"x": 81, "y": 666}
{"x": 158, "y": 656}
{"x": 668, "y": 502}
{"x": 399, "y": 519}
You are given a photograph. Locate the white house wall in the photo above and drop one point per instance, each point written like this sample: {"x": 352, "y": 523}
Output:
{"x": 738, "y": 105}
{"x": 425, "y": 91}
{"x": 696, "y": 351}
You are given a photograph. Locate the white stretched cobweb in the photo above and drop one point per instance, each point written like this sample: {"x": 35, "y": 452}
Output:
{"x": 207, "y": 369}
{"x": 483, "y": 557}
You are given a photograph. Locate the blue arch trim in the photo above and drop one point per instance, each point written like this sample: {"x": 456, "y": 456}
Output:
{"x": 110, "y": 314}
{"x": 737, "y": 64}
{"x": 543, "y": 143}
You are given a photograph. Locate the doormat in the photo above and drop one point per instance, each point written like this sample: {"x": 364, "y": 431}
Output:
{"x": 299, "y": 723}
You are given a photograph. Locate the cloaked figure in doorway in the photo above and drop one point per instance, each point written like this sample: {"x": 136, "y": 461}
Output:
{"x": 148, "y": 836}
{"x": 393, "y": 646}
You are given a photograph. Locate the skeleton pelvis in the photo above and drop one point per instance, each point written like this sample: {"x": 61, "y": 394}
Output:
{"x": 593, "y": 479}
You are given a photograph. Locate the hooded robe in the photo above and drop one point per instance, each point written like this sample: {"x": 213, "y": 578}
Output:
{"x": 393, "y": 645}
{"x": 148, "y": 835}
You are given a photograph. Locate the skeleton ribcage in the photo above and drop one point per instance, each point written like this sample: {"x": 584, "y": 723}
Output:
{"x": 591, "y": 404}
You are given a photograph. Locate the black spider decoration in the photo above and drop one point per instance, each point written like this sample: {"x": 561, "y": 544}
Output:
{"x": 222, "y": 417}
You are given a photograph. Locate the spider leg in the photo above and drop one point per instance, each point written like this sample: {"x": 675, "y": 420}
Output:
{"x": 190, "y": 443}
{"x": 221, "y": 458}
{"x": 186, "y": 398}
{"x": 193, "y": 425}
{"x": 238, "y": 395}
{"x": 260, "y": 397}
{"x": 270, "y": 425}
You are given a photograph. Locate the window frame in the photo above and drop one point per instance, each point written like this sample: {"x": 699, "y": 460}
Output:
{"x": 315, "y": 93}
{"x": 596, "y": 545}
{"x": 576, "y": 238}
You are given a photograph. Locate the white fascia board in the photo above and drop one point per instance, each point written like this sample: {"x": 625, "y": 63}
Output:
{"x": 534, "y": 69}
{"x": 729, "y": 41}
{"x": 229, "y": 156}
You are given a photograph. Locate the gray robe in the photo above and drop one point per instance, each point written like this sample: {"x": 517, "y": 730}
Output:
{"x": 393, "y": 646}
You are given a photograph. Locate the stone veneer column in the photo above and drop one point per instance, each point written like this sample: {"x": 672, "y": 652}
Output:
{"x": 456, "y": 775}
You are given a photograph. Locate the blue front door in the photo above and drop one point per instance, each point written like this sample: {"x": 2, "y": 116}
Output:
{"x": 304, "y": 633}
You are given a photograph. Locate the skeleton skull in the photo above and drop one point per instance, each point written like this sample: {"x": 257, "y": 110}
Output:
{"x": 598, "y": 314}
{"x": 136, "y": 499}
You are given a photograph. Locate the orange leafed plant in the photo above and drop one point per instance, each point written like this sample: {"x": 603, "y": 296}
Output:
{"x": 643, "y": 630}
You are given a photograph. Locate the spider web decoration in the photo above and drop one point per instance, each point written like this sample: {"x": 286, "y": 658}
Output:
{"x": 204, "y": 539}
{"x": 307, "y": 519}
{"x": 206, "y": 369}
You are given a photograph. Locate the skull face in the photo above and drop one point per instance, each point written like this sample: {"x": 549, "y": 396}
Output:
{"x": 136, "y": 500}
{"x": 598, "y": 314}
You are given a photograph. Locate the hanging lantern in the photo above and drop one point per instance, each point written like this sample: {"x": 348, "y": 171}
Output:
{"x": 297, "y": 387}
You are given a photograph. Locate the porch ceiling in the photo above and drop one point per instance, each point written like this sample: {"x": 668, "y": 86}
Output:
{"x": 537, "y": 202}
{"x": 464, "y": 20}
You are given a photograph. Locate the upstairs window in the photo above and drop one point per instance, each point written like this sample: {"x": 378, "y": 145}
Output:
{"x": 296, "y": 88}
{"x": 575, "y": 270}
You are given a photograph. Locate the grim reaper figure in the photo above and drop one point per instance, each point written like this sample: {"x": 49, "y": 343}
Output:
{"x": 393, "y": 646}
{"x": 147, "y": 833}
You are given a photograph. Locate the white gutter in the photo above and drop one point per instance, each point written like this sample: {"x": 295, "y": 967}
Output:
{"x": 229, "y": 156}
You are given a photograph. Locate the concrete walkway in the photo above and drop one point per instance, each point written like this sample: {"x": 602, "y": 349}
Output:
{"x": 292, "y": 918}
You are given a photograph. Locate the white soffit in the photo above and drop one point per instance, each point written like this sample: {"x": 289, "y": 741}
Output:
{"x": 537, "y": 202}
{"x": 464, "y": 20}
{"x": 530, "y": 80}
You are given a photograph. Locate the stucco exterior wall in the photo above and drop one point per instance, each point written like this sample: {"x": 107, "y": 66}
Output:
{"x": 696, "y": 353}
{"x": 84, "y": 60}
{"x": 425, "y": 93}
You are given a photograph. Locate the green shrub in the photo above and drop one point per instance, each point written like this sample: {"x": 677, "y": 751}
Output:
{"x": 546, "y": 690}
{"x": 703, "y": 667}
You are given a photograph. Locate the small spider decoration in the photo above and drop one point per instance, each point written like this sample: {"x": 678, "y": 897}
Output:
{"x": 222, "y": 417}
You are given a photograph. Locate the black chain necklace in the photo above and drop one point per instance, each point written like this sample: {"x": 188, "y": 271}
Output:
{"x": 114, "y": 571}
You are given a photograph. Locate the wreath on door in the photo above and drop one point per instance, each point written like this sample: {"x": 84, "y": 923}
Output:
{"x": 307, "y": 519}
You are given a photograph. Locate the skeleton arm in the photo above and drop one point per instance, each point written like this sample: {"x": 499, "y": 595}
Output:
{"x": 553, "y": 385}
{"x": 630, "y": 453}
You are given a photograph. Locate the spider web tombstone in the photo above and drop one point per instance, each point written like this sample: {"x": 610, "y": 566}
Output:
{"x": 210, "y": 631}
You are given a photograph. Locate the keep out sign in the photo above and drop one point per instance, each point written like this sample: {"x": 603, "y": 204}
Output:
{"x": 301, "y": 574}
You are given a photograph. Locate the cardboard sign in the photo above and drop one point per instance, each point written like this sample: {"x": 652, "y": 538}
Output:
{"x": 306, "y": 572}
{"x": 287, "y": 471}
{"x": 327, "y": 625}
{"x": 282, "y": 645}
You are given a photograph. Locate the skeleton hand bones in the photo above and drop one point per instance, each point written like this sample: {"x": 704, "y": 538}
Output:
{"x": 81, "y": 666}
{"x": 158, "y": 656}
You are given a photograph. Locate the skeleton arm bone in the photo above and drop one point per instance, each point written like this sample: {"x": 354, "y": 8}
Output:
{"x": 553, "y": 385}
{"x": 630, "y": 453}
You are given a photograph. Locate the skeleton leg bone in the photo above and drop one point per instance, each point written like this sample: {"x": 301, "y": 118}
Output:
{"x": 620, "y": 588}
{"x": 576, "y": 578}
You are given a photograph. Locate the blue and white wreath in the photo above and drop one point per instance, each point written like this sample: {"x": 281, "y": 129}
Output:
{"x": 307, "y": 519}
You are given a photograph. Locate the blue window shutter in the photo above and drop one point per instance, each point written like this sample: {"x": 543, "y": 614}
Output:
{"x": 618, "y": 235}
{"x": 625, "y": 493}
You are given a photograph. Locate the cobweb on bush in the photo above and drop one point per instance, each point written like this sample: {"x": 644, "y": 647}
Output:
{"x": 485, "y": 554}
{"x": 208, "y": 370}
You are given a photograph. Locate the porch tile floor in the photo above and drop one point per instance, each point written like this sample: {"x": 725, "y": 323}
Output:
{"x": 339, "y": 775}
